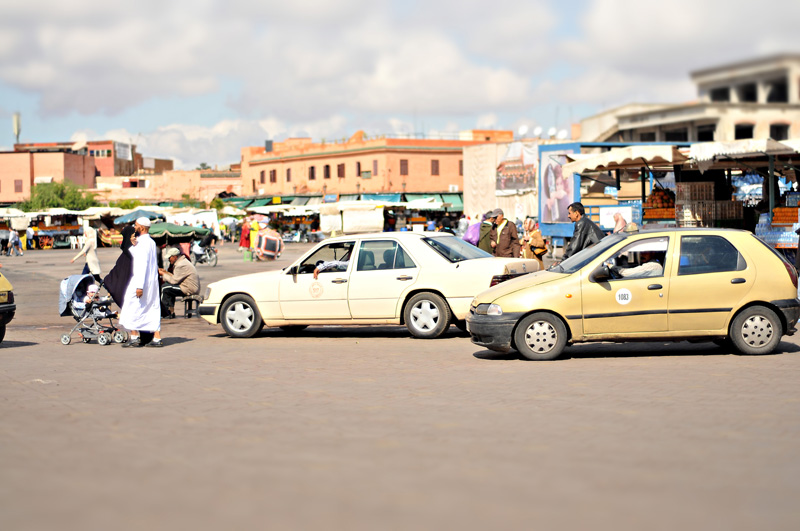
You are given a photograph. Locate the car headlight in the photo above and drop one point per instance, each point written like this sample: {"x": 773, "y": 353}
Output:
{"x": 489, "y": 309}
{"x": 207, "y": 294}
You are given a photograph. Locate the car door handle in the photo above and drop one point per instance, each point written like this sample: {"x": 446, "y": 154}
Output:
{"x": 339, "y": 280}
{"x": 405, "y": 278}
{"x": 654, "y": 286}
{"x": 738, "y": 280}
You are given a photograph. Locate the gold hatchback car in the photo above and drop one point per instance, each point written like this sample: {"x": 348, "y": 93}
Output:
{"x": 719, "y": 285}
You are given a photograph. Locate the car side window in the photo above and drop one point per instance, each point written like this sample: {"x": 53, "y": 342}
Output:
{"x": 382, "y": 254}
{"x": 334, "y": 252}
{"x": 708, "y": 254}
{"x": 641, "y": 259}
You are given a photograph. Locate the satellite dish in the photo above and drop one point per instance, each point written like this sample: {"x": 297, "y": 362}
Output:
{"x": 537, "y": 131}
{"x": 551, "y": 132}
{"x": 562, "y": 134}
{"x": 523, "y": 129}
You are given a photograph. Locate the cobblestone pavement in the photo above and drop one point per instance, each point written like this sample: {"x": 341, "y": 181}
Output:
{"x": 367, "y": 428}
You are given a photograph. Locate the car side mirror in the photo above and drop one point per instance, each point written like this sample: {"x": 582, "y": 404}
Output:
{"x": 293, "y": 270}
{"x": 600, "y": 274}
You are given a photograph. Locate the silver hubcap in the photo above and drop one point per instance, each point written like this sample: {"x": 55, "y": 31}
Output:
{"x": 425, "y": 315}
{"x": 757, "y": 331}
{"x": 541, "y": 336}
{"x": 239, "y": 317}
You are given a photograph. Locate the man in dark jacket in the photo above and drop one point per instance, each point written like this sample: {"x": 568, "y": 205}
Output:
{"x": 485, "y": 238}
{"x": 586, "y": 233}
{"x": 505, "y": 240}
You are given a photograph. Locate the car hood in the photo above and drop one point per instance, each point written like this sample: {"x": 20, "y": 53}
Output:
{"x": 242, "y": 283}
{"x": 516, "y": 284}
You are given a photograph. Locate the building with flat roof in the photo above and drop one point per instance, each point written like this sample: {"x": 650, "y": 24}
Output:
{"x": 360, "y": 165}
{"x": 751, "y": 99}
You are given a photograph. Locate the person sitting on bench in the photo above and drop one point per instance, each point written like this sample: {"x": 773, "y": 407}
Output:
{"x": 181, "y": 280}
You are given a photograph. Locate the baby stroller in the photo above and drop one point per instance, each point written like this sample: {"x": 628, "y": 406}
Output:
{"x": 88, "y": 315}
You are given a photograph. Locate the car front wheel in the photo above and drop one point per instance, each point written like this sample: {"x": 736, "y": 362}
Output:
{"x": 756, "y": 330}
{"x": 240, "y": 317}
{"x": 427, "y": 315}
{"x": 541, "y": 337}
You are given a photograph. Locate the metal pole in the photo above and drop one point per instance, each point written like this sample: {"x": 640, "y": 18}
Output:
{"x": 643, "y": 186}
{"x": 771, "y": 185}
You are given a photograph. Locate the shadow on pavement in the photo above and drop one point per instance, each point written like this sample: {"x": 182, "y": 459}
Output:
{"x": 637, "y": 350}
{"x": 12, "y": 344}
{"x": 334, "y": 332}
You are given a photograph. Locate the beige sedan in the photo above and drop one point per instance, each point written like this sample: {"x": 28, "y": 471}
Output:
{"x": 423, "y": 280}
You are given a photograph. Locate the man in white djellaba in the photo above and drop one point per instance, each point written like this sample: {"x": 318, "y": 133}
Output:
{"x": 141, "y": 311}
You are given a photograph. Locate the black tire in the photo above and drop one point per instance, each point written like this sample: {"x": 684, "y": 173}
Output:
{"x": 540, "y": 336}
{"x": 427, "y": 315}
{"x": 87, "y": 340}
{"x": 211, "y": 258}
{"x": 756, "y": 330}
{"x": 239, "y": 317}
{"x": 193, "y": 257}
{"x": 292, "y": 329}
{"x": 2, "y": 332}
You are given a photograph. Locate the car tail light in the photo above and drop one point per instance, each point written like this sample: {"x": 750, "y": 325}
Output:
{"x": 497, "y": 279}
{"x": 792, "y": 273}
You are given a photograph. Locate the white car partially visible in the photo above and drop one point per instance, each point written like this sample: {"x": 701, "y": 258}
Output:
{"x": 423, "y": 280}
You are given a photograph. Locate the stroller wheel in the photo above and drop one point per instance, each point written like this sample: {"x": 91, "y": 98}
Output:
{"x": 120, "y": 336}
{"x": 87, "y": 340}
{"x": 65, "y": 339}
{"x": 104, "y": 338}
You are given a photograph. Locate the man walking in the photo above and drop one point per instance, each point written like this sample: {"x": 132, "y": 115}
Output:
{"x": 504, "y": 238}
{"x": 181, "y": 280}
{"x": 485, "y": 237}
{"x": 586, "y": 233}
{"x": 141, "y": 311}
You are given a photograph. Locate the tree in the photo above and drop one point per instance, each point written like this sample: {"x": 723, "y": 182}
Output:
{"x": 127, "y": 204}
{"x": 217, "y": 204}
{"x": 187, "y": 200}
{"x": 64, "y": 194}
{"x": 204, "y": 166}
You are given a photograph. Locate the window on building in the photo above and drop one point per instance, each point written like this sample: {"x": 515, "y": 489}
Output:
{"x": 327, "y": 171}
{"x": 705, "y": 133}
{"x": 254, "y": 186}
{"x": 108, "y": 153}
{"x": 340, "y": 171}
{"x": 358, "y": 169}
{"x": 647, "y": 137}
{"x": 461, "y": 167}
{"x": 288, "y": 175}
{"x": 312, "y": 174}
{"x": 262, "y": 177}
{"x": 17, "y": 186}
{"x": 748, "y": 93}
{"x": 375, "y": 167}
{"x": 743, "y": 131}
{"x": 366, "y": 175}
{"x": 778, "y": 91}
{"x": 779, "y": 131}
{"x": 403, "y": 166}
{"x": 273, "y": 176}
{"x": 677, "y": 135}
{"x": 434, "y": 167}
{"x": 721, "y": 94}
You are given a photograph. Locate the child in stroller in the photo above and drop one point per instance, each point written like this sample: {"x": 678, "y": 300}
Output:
{"x": 80, "y": 298}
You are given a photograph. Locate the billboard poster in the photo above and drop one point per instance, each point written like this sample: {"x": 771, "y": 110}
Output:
{"x": 516, "y": 171}
{"x": 556, "y": 190}
{"x": 123, "y": 151}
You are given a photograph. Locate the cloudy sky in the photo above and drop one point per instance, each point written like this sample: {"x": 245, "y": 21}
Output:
{"x": 197, "y": 80}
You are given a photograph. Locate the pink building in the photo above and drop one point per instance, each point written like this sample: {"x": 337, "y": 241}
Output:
{"x": 21, "y": 171}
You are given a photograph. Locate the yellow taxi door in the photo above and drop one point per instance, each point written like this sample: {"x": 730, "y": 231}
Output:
{"x": 384, "y": 271}
{"x": 632, "y": 304}
{"x": 304, "y": 297}
{"x": 711, "y": 279}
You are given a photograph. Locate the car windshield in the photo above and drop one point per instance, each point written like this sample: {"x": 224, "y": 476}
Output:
{"x": 580, "y": 259}
{"x": 455, "y": 249}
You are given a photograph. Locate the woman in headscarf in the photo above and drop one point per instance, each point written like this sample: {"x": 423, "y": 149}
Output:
{"x": 117, "y": 279}
{"x": 619, "y": 222}
{"x": 90, "y": 251}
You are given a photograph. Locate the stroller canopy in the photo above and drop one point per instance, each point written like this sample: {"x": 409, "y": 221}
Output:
{"x": 69, "y": 287}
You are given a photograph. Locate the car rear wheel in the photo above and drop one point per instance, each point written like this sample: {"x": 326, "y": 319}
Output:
{"x": 540, "y": 337}
{"x": 240, "y": 317}
{"x": 427, "y": 315}
{"x": 756, "y": 330}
